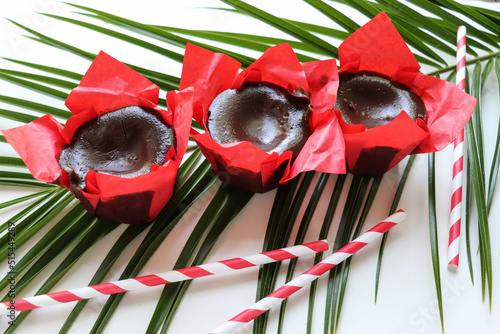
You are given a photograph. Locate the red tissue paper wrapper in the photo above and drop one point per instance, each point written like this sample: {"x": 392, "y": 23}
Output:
{"x": 378, "y": 47}
{"x": 108, "y": 85}
{"x": 243, "y": 164}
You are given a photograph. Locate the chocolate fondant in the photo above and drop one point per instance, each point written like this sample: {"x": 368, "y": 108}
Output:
{"x": 372, "y": 99}
{"x": 123, "y": 142}
{"x": 267, "y": 115}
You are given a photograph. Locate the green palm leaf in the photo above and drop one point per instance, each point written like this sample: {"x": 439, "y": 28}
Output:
{"x": 157, "y": 33}
{"x": 301, "y": 233}
{"x": 49, "y": 223}
{"x": 495, "y": 164}
{"x": 50, "y": 69}
{"x": 35, "y": 86}
{"x": 124, "y": 37}
{"x": 34, "y": 106}
{"x": 285, "y": 26}
{"x": 454, "y": 21}
{"x": 434, "y": 235}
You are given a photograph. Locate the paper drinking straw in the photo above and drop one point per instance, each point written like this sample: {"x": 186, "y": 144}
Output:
{"x": 458, "y": 163}
{"x": 275, "y": 298}
{"x": 163, "y": 278}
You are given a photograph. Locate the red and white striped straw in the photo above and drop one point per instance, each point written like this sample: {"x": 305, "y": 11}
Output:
{"x": 163, "y": 278}
{"x": 458, "y": 163}
{"x": 236, "y": 323}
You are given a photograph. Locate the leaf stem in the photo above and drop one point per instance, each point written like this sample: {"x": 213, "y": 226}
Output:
{"x": 469, "y": 62}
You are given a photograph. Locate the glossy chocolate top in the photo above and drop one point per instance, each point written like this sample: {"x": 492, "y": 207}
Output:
{"x": 123, "y": 142}
{"x": 372, "y": 99}
{"x": 267, "y": 115}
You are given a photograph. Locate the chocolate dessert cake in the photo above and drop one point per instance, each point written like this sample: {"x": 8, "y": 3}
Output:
{"x": 373, "y": 100}
{"x": 123, "y": 142}
{"x": 267, "y": 115}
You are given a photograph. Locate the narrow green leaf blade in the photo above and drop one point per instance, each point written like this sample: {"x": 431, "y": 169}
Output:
{"x": 334, "y": 14}
{"x": 325, "y": 229}
{"x": 301, "y": 234}
{"x": 495, "y": 163}
{"x": 52, "y": 92}
{"x": 164, "y": 81}
{"x": 472, "y": 13}
{"x": 285, "y": 26}
{"x": 160, "y": 34}
{"x": 434, "y": 236}
{"x": 193, "y": 188}
{"x": 17, "y": 116}
{"x": 94, "y": 233}
{"x": 12, "y": 162}
{"x": 477, "y": 123}
{"x": 132, "y": 232}
{"x": 35, "y": 106}
{"x": 61, "y": 83}
{"x": 22, "y": 199}
{"x": 121, "y": 36}
{"x": 277, "y": 234}
{"x": 394, "y": 207}
{"x": 455, "y": 21}
{"x": 251, "y": 42}
{"x": 480, "y": 196}
{"x": 236, "y": 200}
{"x": 468, "y": 210}
{"x": 49, "y": 69}
{"x": 405, "y": 15}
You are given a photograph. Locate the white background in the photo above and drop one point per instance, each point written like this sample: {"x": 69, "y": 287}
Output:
{"x": 407, "y": 298}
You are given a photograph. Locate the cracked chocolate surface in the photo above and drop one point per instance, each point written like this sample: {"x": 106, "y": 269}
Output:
{"x": 123, "y": 142}
{"x": 372, "y": 99}
{"x": 267, "y": 115}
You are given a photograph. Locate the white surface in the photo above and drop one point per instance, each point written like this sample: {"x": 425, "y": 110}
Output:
{"x": 407, "y": 299}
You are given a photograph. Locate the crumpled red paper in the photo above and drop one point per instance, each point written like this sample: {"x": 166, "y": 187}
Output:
{"x": 378, "y": 47}
{"x": 242, "y": 164}
{"x": 108, "y": 85}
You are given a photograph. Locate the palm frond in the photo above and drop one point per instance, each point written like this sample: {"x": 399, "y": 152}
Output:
{"x": 124, "y": 37}
{"x": 278, "y": 231}
{"x": 302, "y": 230}
{"x": 50, "y": 223}
{"x": 49, "y": 69}
{"x": 434, "y": 235}
{"x": 35, "y": 106}
{"x": 394, "y": 207}
{"x": 285, "y": 26}
{"x": 158, "y": 33}
{"x": 495, "y": 164}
